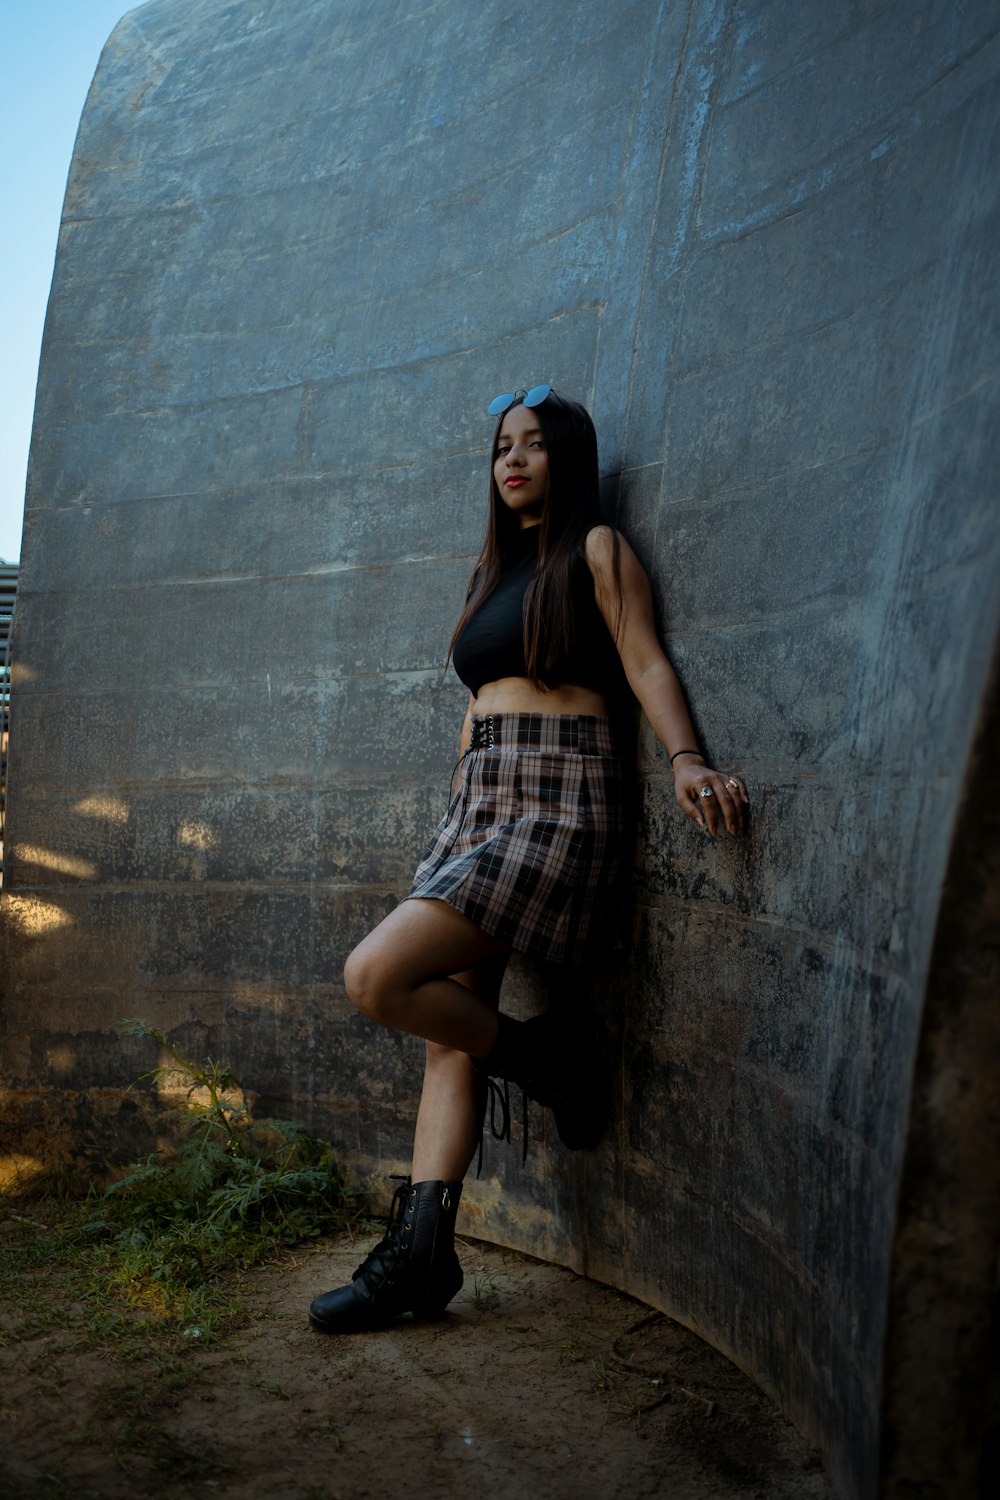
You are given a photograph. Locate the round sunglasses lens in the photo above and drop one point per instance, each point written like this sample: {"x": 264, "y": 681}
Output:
{"x": 500, "y": 403}
{"x": 536, "y": 395}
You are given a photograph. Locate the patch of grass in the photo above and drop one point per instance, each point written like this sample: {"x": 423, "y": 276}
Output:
{"x": 232, "y": 1193}
{"x": 274, "y": 1388}
{"x": 164, "y": 1250}
{"x": 484, "y": 1291}
{"x": 154, "y": 1268}
{"x": 604, "y": 1379}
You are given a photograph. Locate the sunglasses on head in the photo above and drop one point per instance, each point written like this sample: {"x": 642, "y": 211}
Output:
{"x": 504, "y": 402}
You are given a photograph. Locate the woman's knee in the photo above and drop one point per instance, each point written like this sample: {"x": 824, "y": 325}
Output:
{"x": 368, "y": 983}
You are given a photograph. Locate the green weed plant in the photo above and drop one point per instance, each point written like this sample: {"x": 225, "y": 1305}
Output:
{"x": 232, "y": 1191}
{"x": 164, "y": 1245}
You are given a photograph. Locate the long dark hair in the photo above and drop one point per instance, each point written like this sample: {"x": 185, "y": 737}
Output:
{"x": 573, "y": 508}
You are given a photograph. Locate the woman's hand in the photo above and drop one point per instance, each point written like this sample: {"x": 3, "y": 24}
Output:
{"x": 706, "y": 796}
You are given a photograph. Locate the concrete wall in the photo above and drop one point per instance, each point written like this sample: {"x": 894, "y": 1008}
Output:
{"x": 303, "y": 244}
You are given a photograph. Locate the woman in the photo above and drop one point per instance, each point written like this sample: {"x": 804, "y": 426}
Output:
{"x": 559, "y": 608}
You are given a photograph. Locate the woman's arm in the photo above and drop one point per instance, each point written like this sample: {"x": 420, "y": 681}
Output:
{"x": 655, "y": 684}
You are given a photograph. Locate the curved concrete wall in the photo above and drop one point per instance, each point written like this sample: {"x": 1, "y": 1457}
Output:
{"x": 303, "y": 243}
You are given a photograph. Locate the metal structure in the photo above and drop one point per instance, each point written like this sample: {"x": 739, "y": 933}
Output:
{"x": 303, "y": 245}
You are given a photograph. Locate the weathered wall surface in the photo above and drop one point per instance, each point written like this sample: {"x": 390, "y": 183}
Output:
{"x": 303, "y": 244}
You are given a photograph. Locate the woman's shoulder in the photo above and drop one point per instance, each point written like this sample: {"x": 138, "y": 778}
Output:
{"x": 600, "y": 541}
{"x": 604, "y": 546}
{"x": 612, "y": 561}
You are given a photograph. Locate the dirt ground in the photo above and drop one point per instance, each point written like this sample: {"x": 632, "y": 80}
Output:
{"x": 536, "y": 1383}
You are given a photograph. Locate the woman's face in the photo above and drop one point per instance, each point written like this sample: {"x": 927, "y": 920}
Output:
{"x": 521, "y": 470}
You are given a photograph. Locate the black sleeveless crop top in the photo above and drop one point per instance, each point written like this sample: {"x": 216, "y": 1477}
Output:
{"x": 491, "y": 645}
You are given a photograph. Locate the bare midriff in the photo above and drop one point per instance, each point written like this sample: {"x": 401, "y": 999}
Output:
{"x": 515, "y": 695}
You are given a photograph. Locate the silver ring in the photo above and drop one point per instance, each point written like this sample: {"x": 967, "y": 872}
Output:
{"x": 706, "y": 791}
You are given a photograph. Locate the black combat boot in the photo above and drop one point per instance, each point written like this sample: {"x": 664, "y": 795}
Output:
{"x": 413, "y": 1268}
{"x": 557, "y": 1060}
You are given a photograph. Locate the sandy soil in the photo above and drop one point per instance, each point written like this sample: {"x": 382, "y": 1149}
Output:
{"x": 536, "y": 1383}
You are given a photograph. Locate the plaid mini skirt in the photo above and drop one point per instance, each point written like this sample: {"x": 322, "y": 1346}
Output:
{"x": 530, "y": 847}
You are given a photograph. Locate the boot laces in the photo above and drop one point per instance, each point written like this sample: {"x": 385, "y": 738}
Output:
{"x": 498, "y": 1097}
{"x": 383, "y": 1258}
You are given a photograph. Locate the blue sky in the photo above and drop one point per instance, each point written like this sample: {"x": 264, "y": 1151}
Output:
{"x": 50, "y": 50}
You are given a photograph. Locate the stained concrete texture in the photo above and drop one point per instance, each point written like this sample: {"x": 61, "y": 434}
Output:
{"x": 303, "y": 244}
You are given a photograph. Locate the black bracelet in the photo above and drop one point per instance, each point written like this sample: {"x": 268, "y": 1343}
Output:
{"x": 684, "y": 752}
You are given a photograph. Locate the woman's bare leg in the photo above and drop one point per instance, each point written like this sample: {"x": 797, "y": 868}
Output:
{"x": 428, "y": 970}
{"x": 449, "y": 1118}
{"x": 400, "y": 976}
{"x": 447, "y": 1132}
